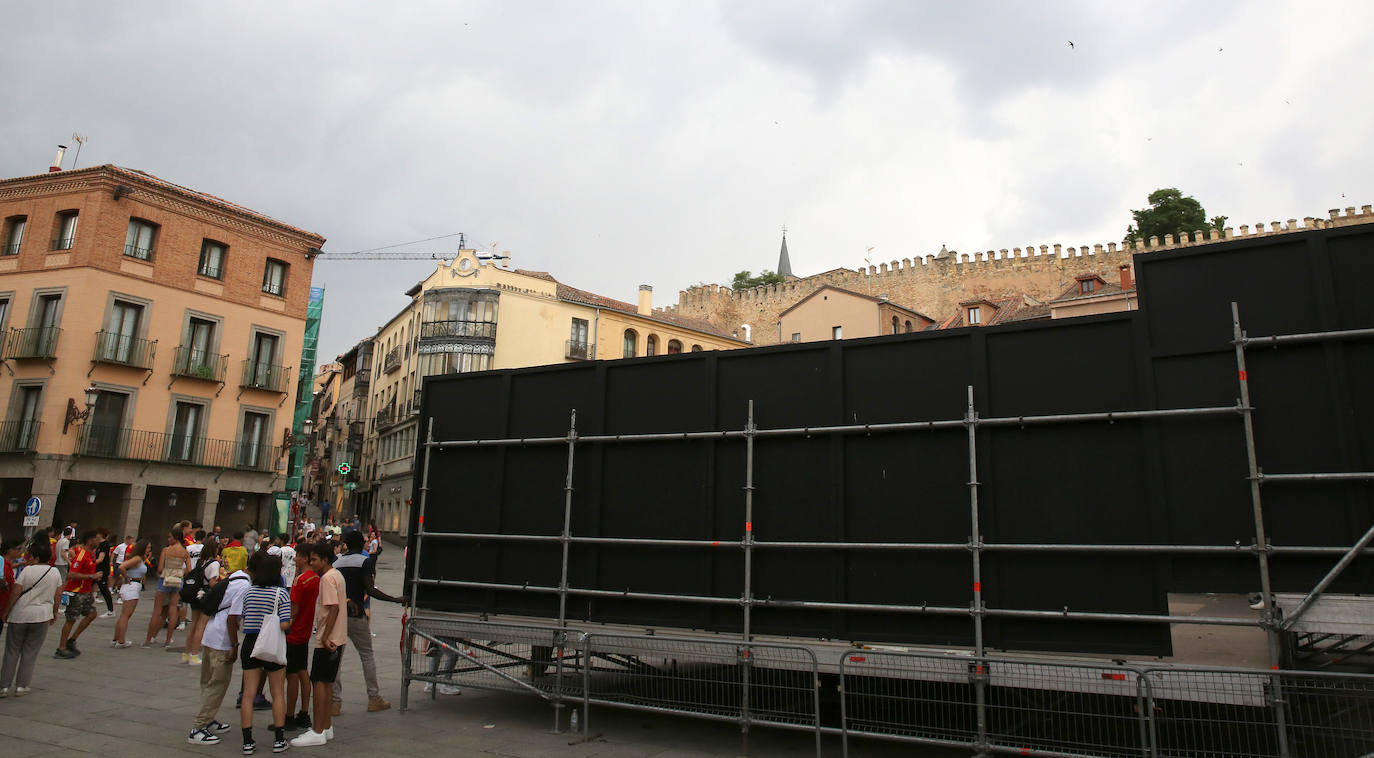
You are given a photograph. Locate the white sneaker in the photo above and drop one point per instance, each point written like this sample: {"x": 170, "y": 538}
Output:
{"x": 22, "y": 691}
{"x": 429, "y": 687}
{"x": 311, "y": 738}
{"x": 4, "y": 691}
{"x": 195, "y": 659}
{"x": 449, "y": 689}
{"x": 107, "y": 614}
{"x": 329, "y": 733}
{"x": 202, "y": 737}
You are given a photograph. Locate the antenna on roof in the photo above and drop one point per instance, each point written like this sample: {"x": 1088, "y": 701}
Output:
{"x": 80, "y": 140}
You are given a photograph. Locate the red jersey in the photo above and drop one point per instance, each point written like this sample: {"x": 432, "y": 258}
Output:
{"x": 83, "y": 562}
{"x": 304, "y": 592}
{"x": 9, "y": 582}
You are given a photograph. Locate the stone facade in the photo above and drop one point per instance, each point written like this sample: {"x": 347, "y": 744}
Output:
{"x": 935, "y": 284}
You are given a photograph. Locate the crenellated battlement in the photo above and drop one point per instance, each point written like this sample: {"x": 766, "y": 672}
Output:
{"x": 935, "y": 283}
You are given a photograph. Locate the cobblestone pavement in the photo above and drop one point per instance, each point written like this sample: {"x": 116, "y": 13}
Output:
{"x": 138, "y": 702}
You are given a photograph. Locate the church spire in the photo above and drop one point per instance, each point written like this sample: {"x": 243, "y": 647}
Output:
{"x": 784, "y": 263}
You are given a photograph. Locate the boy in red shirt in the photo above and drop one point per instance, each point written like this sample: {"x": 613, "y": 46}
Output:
{"x": 80, "y": 600}
{"x": 304, "y": 592}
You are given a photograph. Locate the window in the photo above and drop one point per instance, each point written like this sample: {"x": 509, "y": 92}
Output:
{"x": 455, "y": 359}
{"x": 274, "y": 277}
{"x": 577, "y": 340}
{"x": 696, "y": 348}
{"x": 896, "y": 324}
{"x": 908, "y": 325}
{"x": 796, "y": 336}
{"x": 211, "y": 259}
{"x": 66, "y": 230}
{"x": 119, "y": 342}
{"x": 4, "y": 312}
{"x": 651, "y": 345}
{"x": 261, "y": 370}
{"x": 194, "y": 357}
{"x": 105, "y": 432}
{"x": 14, "y": 234}
{"x": 1087, "y": 286}
{"x": 41, "y": 340}
{"x": 631, "y": 337}
{"x": 185, "y": 442}
{"x": 674, "y": 347}
{"x": 138, "y": 242}
{"x": 974, "y": 315}
{"x": 30, "y": 416}
{"x": 253, "y": 440}
{"x": 836, "y": 332}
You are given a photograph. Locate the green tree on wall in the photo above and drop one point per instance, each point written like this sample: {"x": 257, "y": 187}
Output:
{"x": 1170, "y": 212}
{"x": 744, "y": 280}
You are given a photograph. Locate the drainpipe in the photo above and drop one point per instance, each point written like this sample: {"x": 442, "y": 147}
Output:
{"x": 596, "y": 324}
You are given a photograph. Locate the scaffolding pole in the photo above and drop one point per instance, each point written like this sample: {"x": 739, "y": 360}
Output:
{"x": 565, "y": 538}
{"x": 975, "y": 548}
{"x": 1261, "y": 542}
{"x": 747, "y": 599}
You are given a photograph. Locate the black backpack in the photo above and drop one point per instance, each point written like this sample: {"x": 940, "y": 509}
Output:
{"x": 194, "y": 583}
{"x": 210, "y": 601}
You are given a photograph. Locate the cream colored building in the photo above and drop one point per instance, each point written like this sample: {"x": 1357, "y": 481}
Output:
{"x": 471, "y": 314}
{"x": 151, "y": 334}
{"x": 1091, "y": 294}
{"x": 832, "y": 313}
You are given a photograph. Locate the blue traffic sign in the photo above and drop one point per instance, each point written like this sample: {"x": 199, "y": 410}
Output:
{"x": 33, "y": 506}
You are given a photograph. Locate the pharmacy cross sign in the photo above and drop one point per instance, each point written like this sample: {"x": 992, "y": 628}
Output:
{"x": 344, "y": 468}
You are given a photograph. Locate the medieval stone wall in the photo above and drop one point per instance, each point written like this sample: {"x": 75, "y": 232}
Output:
{"x": 935, "y": 284}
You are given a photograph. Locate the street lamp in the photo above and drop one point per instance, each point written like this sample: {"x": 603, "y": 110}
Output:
{"x": 171, "y": 499}
{"x": 241, "y": 501}
{"x": 74, "y": 414}
{"x": 14, "y": 504}
{"x": 90, "y": 496}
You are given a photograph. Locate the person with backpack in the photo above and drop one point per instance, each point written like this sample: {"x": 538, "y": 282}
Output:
{"x": 203, "y": 576}
{"x": 218, "y": 649}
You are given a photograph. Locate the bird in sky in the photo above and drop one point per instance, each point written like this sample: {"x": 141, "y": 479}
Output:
{"x": 1071, "y": 47}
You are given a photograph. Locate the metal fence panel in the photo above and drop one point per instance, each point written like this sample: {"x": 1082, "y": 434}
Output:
{"x": 483, "y": 655}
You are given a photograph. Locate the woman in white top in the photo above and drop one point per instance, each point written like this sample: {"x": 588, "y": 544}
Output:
{"x": 32, "y": 600}
{"x": 133, "y": 569}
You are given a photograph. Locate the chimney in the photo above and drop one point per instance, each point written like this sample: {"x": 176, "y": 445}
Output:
{"x": 57, "y": 162}
{"x": 1126, "y": 281}
{"x": 646, "y": 300}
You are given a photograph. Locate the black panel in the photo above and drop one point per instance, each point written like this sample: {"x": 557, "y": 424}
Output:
{"x": 1178, "y": 480}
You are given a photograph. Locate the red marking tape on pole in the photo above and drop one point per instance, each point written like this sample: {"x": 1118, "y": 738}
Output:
{"x": 977, "y": 586}
{"x": 715, "y": 544}
{"x": 748, "y": 526}
{"x": 978, "y": 669}
{"x": 1243, "y": 375}
{"x": 857, "y": 659}
{"x": 1025, "y": 751}
{"x": 422, "y": 521}
{"x": 1113, "y": 677}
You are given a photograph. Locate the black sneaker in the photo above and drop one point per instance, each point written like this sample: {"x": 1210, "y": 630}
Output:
{"x": 249, "y": 748}
{"x": 280, "y": 746}
{"x": 63, "y": 653}
{"x": 71, "y": 645}
{"x": 202, "y": 737}
{"x": 261, "y": 703}
{"x": 300, "y": 721}
{"x": 217, "y": 727}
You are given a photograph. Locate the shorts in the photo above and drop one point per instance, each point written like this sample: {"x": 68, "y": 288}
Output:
{"x": 80, "y": 604}
{"x": 130, "y": 590}
{"x": 324, "y": 665}
{"x": 297, "y": 657}
{"x": 248, "y": 662}
{"x": 62, "y": 571}
{"x": 173, "y": 593}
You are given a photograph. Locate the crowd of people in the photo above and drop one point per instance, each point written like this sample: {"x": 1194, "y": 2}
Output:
{"x": 284, "y": 608}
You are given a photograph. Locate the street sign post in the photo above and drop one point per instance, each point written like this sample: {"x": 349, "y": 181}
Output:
{"x": 31, "y": 509}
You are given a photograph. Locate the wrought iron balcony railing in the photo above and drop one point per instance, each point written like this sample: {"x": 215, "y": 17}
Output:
{"x": 141, "y": 253}
{"x": 63, "y": 243}
{"x": 393, "y": 360}
{"x": 121, "y": 349}
{"x": 479, "y": 329}
{"x": 33, "y": 342}
{"x": 264, "y": 376}
{"x": 98, "y": 441}
{"x": 199, "y": 364}
{"x": 19, "y": 436}
{"x": 580, "y": 350}
{"x": 10, "y": 248}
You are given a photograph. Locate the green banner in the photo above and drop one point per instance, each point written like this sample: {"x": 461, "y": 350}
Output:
{"x": 305, "y": 388}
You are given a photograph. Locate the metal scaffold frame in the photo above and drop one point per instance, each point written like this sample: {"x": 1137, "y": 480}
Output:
{"x": 566, "y": 643}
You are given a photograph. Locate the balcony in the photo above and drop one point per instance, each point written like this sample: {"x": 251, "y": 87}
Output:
{"x": 63, "y": 243}
{"x": 19, "y": 436}
{"x": 199, "y": 364}
{"x": 140, "y": 445}
{"x": 362, "y": 381}
{"x": 141, "y": 253}
{"x": 10, "y": 248}
{"x": 123, "y": 350}
{"x": 265, "y": 376}
{"x": 386, "y": 418}
{"x": 479, "y": 329}
{"x": 415, "y": 406}
{"x": 580, "y": 351}
{"x": 34, "y": 342}
{"x": 393, "y": 360}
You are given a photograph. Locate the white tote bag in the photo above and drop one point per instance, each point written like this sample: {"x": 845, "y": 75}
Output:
{"x": 270, "y": 646}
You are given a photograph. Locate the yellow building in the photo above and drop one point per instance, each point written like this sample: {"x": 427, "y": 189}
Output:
{"x": 832, "y": 313}
{"x": 151, "y": 335}
{"x": 472, "y": 314}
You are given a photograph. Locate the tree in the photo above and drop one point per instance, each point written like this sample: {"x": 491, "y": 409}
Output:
{"x": 744, "y": 280}
{"x": 1170, "y": 212}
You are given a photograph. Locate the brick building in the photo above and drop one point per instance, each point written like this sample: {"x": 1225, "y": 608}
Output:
{"x": 151, "y": 335}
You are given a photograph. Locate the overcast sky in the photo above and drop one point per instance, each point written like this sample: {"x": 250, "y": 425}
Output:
{"x": 618, "y": 144}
